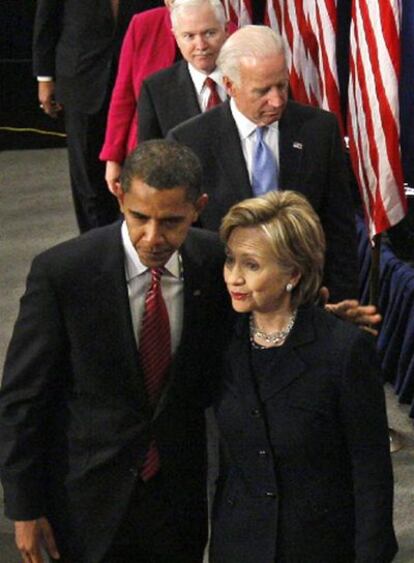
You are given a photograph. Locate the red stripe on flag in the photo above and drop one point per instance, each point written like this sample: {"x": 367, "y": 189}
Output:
{"x": 374, "y": 127}
{"x": 309, "y": 28}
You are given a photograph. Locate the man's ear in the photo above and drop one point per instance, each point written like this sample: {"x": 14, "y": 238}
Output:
{"x": 120, "y": 195}
{"x": 229, "y": 86}
{"x": 200, "y": 204}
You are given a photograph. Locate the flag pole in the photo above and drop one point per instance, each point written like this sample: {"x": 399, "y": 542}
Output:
{"x": 375, "y": 270}
{"x": 395, "y": 437}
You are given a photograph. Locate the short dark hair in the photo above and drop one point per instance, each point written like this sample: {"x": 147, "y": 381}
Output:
{"x": 163, "y": 165}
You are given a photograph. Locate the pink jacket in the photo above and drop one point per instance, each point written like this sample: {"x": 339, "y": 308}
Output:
{"x": 148, "y": 46}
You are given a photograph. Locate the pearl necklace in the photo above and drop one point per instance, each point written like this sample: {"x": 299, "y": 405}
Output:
{"x": 272, "y": 338}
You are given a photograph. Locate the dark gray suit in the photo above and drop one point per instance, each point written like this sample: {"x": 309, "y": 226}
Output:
{"x": 311, "y": 162}
{"x": 75, "y": 422}
{"x": 167, "y": 98}
{"x": 77, "y": 42}
{"x": 305, "y": 470}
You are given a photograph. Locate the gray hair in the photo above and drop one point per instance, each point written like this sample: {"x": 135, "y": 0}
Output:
{"x": 180, "y": 6}
{"x": 163, "y": 164}
{"x": 295, "y": 234}
{"x": 251, "y": 41}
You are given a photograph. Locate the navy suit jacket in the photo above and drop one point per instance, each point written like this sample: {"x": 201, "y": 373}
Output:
{"x": 167, "y": 98}
{"x": 305, "y": 471}
{"x": 311, "y": 162}
{"x": 75, "y": 422}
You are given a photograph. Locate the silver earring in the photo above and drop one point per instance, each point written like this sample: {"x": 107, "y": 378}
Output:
{"x": 289, "y": 287}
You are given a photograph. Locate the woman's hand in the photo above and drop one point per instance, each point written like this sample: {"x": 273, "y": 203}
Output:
{"x": 112, "y": 174}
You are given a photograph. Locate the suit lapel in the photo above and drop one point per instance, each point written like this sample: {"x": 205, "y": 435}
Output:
{"x": 229, "y": 154}
{"x": 114, "y": 316}
{"x": 290, "y": 149}
{"x": 186, "y": 97}
{"x": 193, "y": 276}
{"x": 290, "y": 364}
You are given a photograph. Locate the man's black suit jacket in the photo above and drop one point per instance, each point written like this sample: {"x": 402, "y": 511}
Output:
{"x": 306, "y": 473}
{"x": 167, "y": 98}
{"x": 311, "y": 162}
{"x": 75, "y": 42}
{"x": 75, "y": 422}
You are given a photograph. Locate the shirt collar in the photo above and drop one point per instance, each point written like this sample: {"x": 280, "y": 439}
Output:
{"x": 198, "y": 77}
{"x": 133, "y": 265}
{"x": 244, "y": 125}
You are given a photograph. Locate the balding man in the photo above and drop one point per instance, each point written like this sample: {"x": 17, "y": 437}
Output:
{"x": 260, "y": 140}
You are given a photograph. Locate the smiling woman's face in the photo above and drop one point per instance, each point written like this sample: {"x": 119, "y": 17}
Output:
{"x": 254, "y": 280}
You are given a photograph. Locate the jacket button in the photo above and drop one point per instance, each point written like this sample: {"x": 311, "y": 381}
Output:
{"x": 256, "y": 413}
{"x": 134, "y": 471}
{"x": 262, "y": 453}
{"x": 270, "y": 494}
{"x": 230, "y": 501}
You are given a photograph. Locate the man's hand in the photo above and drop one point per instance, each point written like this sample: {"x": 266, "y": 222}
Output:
{"x": 365, "y": 316}
{"x": 33, "y": 535}
{"x": 46, "y": 95}
{"x": 112, "y": 174}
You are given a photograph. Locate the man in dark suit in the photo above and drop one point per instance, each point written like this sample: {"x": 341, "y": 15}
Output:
{"x": 175, "y": 94}
{"x": 304, "y": 143}
{"x": 93, "y": 467}
{"x": 75, "y": 48}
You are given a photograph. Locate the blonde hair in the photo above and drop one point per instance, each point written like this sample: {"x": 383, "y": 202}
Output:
{"x": 294, "y": 232}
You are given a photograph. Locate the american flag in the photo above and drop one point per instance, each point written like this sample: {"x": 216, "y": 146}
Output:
{"x": 373, "y": 113}
{"x": 309, "y": 28}
{"x": 407, "y": 90}
{"x": 238, "y": 11}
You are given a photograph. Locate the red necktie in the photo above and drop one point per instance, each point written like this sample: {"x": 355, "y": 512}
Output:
{"x": 213, "y": 99}
{"x": 155, "y": 354}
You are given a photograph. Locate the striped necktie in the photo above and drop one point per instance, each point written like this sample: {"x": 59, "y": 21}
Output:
{"x": 155, "y": 355}
{"x": 213, "y": 99}
{"x": 265, "y": 169}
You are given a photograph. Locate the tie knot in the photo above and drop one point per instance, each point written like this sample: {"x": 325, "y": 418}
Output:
{"x": 209, "y": 82}
{"x": 260, "y": 131}
{"x": 156, "y": 274}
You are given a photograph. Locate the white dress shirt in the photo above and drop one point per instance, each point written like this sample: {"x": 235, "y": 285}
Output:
{"x": 138, "y": 279}
{"x": 247, "y": 134}
{"x": 202, "y": 91}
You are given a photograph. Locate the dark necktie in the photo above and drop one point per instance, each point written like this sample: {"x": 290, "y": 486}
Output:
{"x": 265, "y": 170}
{"x": 155, "y": 355}
{"x": 213, "y": 99}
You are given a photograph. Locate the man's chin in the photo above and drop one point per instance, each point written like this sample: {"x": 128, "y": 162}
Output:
{"x": 154, "y": 259}
{"x": 270, "y": 118}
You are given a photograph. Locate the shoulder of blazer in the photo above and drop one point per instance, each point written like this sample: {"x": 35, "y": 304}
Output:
{"x": 298, "y": 114}
{"x": 204, "y": 247}
{"x": 330, "y": 333}
{"x": 152, "y": 18}
{"x": 162, "y": 77}
{"x": 209, "y": 120}
{"x": 98, "y": 249}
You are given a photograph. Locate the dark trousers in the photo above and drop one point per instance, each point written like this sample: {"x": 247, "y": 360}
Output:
{"x": 150, "y": 533}
{"x": 94, "y": 205}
